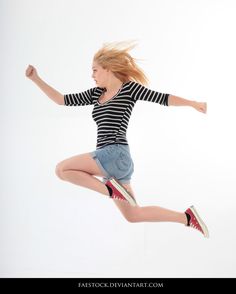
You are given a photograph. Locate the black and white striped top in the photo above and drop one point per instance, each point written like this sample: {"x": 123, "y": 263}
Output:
{"x": 112, "y": 117}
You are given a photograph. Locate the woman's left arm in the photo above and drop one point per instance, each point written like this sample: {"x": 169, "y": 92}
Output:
{"x": 178, "y": 101}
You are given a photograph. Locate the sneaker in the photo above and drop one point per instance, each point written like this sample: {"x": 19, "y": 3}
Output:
{"x": 196, "y": 222}
{"x": 119, "y": 192}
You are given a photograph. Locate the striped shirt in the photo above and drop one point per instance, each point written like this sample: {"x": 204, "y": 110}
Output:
{"x": 112, "y": 117}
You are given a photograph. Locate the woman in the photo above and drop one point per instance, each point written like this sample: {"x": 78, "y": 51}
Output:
{"x": 120, "y": 83}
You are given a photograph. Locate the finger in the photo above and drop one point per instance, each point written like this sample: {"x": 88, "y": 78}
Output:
{"x": 29, "y": 72}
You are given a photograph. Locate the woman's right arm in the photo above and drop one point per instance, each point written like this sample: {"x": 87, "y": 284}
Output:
{"x": 53, "y": 94}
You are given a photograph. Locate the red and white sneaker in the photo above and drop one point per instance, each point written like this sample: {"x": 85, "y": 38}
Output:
{"x": 196, "y": 222}
{"x": 119, "y": 192}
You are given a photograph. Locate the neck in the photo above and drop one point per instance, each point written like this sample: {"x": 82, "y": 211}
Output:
{"x": 113, "y": 86}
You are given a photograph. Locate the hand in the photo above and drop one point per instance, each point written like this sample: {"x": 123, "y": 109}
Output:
{"x": 200, "y": 106}
{"x": 31, "y": 73}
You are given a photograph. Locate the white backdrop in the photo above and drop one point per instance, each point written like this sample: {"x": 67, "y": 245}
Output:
{"x": 51, "y": 228}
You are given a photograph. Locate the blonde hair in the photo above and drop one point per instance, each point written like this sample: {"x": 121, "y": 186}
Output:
{"x": 115, "y": 57}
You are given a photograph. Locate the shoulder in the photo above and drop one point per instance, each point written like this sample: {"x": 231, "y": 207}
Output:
{"x": 96, "y": 91}
{"x": 131, "y": 85}
{"x": 134, "y": 86}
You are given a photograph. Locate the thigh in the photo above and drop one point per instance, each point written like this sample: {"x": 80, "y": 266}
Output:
{"x": 83, "y": 162}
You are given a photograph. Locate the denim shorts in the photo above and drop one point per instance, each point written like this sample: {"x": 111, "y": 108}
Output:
{"x": 115, "y": 161}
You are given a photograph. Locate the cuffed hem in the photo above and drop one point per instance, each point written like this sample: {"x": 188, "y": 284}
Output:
{"x": 94, "y": 156}
{"x": 106, "y": 176}
{"x": 124, "y": 181}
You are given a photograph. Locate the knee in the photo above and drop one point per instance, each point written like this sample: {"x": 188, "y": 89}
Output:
{"x": 132, "y": 217}
{"x": 59, "y": 171}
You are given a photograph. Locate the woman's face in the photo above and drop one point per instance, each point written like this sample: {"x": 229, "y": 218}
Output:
{"x": 100, "y": 75}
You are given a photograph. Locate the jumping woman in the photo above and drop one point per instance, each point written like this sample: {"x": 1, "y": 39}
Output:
{"x": 120, "y": 84}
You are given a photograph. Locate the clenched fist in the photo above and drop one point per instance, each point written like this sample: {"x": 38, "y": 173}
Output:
{"x": 200, "y": 106}
{"x": 31, "y": 72}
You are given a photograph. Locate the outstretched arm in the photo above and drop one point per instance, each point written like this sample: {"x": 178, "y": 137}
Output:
{"x": 52, "y": 93}
{"x": 139, "y": 92}
{"x": 178, "y": 101}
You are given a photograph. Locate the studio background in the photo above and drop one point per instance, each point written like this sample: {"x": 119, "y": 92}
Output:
{"x": 51, "y": 228}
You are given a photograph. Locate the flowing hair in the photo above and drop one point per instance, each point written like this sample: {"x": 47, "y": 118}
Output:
{"x": 115, "y": 57}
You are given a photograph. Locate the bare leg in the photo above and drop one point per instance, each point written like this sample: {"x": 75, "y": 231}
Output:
{"x": 86, "y": 180}
{"x": 149, "y": 213}
{"x": 81, "y": 170}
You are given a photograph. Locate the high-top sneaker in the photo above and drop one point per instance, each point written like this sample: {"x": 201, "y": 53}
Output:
{"x": 195, "y": 221}
{"x": 119, "y": 192}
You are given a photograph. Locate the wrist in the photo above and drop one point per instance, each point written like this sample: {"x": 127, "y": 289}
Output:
{"x": 193, "y": 104}
{"x": 35, "y": 79}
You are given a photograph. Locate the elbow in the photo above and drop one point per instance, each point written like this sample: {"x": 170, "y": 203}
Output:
{"x": 61, "y": 100}
{"x": 169, "y": 100}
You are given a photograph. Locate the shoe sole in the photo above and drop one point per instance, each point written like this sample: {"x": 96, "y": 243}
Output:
{"x": 123, "y": 191}
{"x": 201, "y": 222}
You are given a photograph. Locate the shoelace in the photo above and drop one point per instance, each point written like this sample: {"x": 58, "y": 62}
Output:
{"x": 195, "y": 225}
{"x": 118, "y": 198}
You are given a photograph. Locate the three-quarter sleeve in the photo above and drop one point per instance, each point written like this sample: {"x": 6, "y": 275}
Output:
{"x": 140, "y": 92}
{"x": 79, "y": 99}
